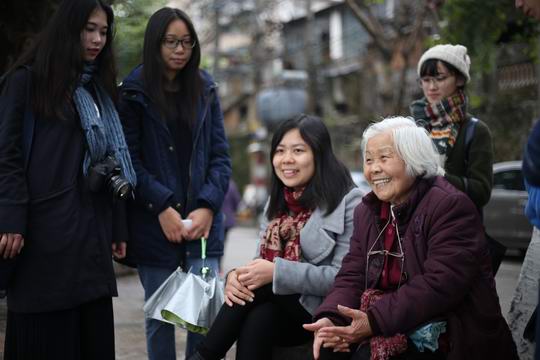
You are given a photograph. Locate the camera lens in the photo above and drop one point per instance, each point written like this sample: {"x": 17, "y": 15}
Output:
{"x": 119, "y": 187}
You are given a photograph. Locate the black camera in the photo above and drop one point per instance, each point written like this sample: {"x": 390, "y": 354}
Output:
{"x": 108, "y": 174}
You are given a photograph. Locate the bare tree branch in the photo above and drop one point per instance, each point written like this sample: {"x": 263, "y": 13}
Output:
{"x": 371, "y": 25}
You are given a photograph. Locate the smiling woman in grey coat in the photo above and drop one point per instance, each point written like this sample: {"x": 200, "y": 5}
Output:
{"x": 303, "y": 240}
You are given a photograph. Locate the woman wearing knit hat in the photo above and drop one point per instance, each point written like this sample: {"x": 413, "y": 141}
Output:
{"x": 464, "y": 142}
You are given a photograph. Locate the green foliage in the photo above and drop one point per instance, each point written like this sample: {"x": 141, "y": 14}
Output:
{"x": 510, "y": 121}
{"x": 131, "y": 19}
{"x": 476, "y": 24}
{"x": 481, "y": 26}
{"x": 240, "y": 160}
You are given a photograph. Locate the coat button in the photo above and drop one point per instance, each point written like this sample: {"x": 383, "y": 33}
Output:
{"x": 150, "y": 206}
{"x": 178, "y": 206}
{"x": 171, "y": 148}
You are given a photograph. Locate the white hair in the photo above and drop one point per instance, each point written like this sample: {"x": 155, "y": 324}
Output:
{"x": 412, "y": 144}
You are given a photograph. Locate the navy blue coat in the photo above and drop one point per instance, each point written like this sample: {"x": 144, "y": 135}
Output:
{"x": 158, "y": 175}
{"x": 68, "y": 230}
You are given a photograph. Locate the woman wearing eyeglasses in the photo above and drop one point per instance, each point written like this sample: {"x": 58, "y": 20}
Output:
{"x": 174, "y": 128}
{"x": 416, "y": 283}
{"x": 463, "y": 142}
{"x": 303, "y": 240}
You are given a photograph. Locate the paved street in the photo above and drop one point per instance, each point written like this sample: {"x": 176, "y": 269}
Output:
{"x": 130, "y": 341}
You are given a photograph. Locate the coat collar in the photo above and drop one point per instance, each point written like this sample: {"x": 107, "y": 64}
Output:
{"x": 333, "y": 222}
{"x": 405, "y": 210}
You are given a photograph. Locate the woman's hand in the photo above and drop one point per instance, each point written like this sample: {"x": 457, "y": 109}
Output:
{"x": 358, "y": 330}
{"x": 171, "y": 225}
{"x": 119, "y": 250}
{"x": 235, "y": 292}
{"x": 10, "y": 245}
{"x": 202, "y": 222}
{"x": 319, "y": 339}
{"x": 257, "y": 273}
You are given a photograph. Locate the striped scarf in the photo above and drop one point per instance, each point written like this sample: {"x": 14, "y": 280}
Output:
{"x": 103, "y": 131}
{"x": 443, "y": 119}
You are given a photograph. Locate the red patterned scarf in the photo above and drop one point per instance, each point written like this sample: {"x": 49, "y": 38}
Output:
{"x": 282, "y": 236}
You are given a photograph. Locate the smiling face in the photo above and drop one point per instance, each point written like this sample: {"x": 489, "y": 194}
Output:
{"x": 293, "y": 160}
{"x": 385, "y": 170}
{"x": 175, "y": 59}
{"x": 529, "y": 7}
{"x": 94, "y": 34}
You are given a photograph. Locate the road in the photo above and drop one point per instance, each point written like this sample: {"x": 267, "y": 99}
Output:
{"x": 130, "y": 341}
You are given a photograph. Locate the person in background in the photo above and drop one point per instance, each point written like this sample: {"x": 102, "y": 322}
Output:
{"x": 305, "y": 234}
{"x": 416, "y": 282}
{"x": 58, "y": 128}
{"x": 174, "y": 128}
{"x": 463, "y": 142}
{"x": 230, "y": 207}
{"x": 526, "y": 294}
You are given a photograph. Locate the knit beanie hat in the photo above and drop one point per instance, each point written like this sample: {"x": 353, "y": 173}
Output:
{"x": 455, "y": 55}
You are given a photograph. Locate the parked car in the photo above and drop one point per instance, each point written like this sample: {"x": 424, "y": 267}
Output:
{"x": 504, "y": 215}
{"x": 360, "y": 181}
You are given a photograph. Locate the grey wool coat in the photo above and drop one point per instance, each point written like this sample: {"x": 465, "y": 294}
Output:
{"x": 324, "y": 241}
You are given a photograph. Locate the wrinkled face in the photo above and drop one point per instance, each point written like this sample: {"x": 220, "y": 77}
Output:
{"x": 437, "y": 88}
{"x": 293, "y": 160}
{"x": 94, "y": 35}
{"x": 529, "y": 7}
{"x": 385, "y": 170}
{"x": 174, "y": 53}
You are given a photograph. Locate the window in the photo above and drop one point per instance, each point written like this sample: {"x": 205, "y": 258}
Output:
{"x": 509, "y": 180}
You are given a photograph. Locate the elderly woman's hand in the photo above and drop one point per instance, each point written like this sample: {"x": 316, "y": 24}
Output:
{"x": 10, "y": 245}
{"x": 235, "y": 292}
{"x": 358, "y": 330}
{"x": 257, "y": 273}
{"x": 320, "y": 339}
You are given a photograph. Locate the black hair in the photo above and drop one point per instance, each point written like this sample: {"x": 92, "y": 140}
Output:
{"x": 331, "y": 180}
{"x": 429, "y": 68}
{"x": 188, "y": 79}
{"x": 56, "y": 57}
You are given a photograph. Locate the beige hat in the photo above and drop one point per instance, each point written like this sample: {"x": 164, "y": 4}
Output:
{"x": 455, "y": 55}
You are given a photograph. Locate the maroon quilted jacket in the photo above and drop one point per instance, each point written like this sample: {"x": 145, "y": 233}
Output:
{"x": 447, "y": 270}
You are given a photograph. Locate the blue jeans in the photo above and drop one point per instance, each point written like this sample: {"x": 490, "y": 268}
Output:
{"x": 193, "y": 339}
{"x": 160, "y": 341}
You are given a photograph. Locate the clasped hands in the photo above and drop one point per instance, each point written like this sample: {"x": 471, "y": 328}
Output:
{"x": 243, "y": 280}
{"x": 339, "y": 338}
{"x": 175, "y": 231}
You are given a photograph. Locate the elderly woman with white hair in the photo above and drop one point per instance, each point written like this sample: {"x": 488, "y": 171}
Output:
{"x": 416, "y": 283}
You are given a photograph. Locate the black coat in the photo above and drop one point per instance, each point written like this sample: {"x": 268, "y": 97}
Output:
{"x": 66, "y": 260}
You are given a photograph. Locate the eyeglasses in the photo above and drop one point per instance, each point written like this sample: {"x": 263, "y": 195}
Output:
{"x": 436, "y": 80}
{"x": 385, "y": 253}
{"x": 172, "y": 43}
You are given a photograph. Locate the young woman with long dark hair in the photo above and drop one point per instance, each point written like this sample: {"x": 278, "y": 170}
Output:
{"x": 58, "y": 124}
{"x": 174, "y": 127}
{"x": 303, "y": 240}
